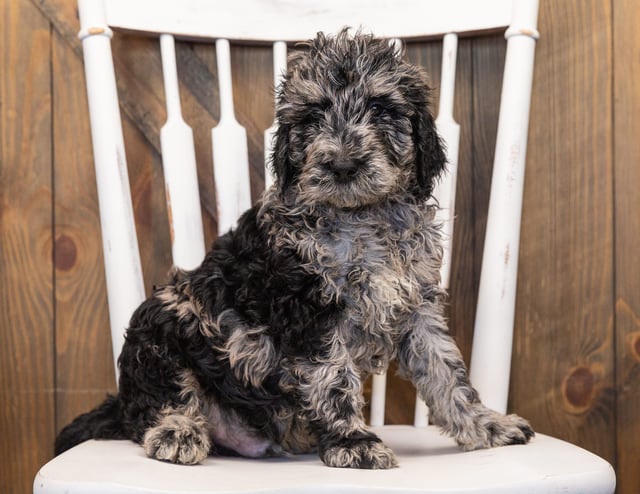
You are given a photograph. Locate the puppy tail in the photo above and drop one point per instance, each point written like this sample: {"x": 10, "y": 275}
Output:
{"x": 100, "y": 423}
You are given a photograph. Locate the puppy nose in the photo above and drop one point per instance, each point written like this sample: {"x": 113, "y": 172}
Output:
{"x": 344, "y": 169}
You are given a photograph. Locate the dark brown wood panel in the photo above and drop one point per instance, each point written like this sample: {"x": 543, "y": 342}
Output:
{"x": 626, "y": 46}
{"x": 563, "y": 365}
{"x": 26, "y": 276}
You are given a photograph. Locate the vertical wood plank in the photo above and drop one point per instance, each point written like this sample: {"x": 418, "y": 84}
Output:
{"x": 563, "y": 370}
{"x": 26, "y": 275}
{"x": 626, "y": 47}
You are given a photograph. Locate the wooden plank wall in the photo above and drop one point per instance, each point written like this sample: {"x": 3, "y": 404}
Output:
{"x": 626, "y": 226}
{"x": 577, "y": 345}
{"x": 27, "y": 338}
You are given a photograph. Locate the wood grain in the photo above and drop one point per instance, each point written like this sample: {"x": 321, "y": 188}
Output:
{"x": 253, "y": 99}
{"x": 626, "y": 46}
{"x": 563, "y": 372}
{"x": 26, "y": 276}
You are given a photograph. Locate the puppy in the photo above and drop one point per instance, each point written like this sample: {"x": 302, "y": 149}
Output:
{"x": 263, "y": 349}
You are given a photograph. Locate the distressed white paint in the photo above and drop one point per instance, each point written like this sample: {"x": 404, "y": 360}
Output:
{"x": 294, "y": 20}
{"x": 279, "y": 70}
{"x": 180, "y": 171}
{"x": 493, "y": 334}
{"x": 125, "y": 287}
{"x": 430, "y": 463}
{"x": 230, "y": 154}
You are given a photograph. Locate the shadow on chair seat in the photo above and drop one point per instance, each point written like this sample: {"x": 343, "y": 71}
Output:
{"x": 429, "y": 463}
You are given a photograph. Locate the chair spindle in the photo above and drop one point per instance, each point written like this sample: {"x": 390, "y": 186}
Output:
{"x": 230, "y": 152}
{"x": 180, "y": 171}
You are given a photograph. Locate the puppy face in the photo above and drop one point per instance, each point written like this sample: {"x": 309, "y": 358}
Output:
{"x": 354, "y": 125}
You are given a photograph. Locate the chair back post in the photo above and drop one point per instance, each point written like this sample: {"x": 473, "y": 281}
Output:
{"x": 449, "y": 131}
{"x": 493, "y": 334}
{"x": 125, "y": 287}
{"x": 279, "y": 71}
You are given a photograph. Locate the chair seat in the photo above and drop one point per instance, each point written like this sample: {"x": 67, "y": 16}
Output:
{"x": 429, "y": 463}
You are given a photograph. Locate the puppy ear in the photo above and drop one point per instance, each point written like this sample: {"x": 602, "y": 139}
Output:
{"x": 281, "y": 165}
{"x": 431, "y": 159}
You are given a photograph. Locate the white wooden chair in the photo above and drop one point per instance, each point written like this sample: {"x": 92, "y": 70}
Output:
{"x": 429, "y": 462}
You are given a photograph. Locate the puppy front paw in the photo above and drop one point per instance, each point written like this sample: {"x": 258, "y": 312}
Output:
{"x": 363, "y": 453}
{"x": 177, "y": 439}
{"x": 495, "y": 429}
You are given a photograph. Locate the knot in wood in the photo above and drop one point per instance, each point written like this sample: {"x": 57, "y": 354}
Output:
{"x": 65, "y": 253}
{"x": 579, "y": 389}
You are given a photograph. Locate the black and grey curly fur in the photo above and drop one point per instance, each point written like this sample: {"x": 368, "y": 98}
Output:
{"x": 263, "y": 348}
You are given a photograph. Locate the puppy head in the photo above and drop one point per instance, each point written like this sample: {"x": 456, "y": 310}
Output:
{"x": 355, "y": 127}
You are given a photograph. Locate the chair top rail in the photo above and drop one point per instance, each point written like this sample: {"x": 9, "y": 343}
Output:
{"x": 294, "y": 20}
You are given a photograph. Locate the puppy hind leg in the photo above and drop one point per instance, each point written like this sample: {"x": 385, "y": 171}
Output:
{"x": 180, "y": 433}
{"x": 430, "y": 358}
{"x": 178, "y": 438}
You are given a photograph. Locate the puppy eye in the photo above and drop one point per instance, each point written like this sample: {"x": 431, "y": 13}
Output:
{"x": 315, "y": 112}
{"x": 377, "y": 109}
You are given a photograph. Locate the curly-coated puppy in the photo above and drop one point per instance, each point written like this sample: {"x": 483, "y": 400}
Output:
{"x": 263, "y": 348}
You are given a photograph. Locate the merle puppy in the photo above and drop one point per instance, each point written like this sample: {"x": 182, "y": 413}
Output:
{"x": 335, "y": 272}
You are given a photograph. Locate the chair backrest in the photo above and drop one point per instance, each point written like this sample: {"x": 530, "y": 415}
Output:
{"x": 280, "y": 22}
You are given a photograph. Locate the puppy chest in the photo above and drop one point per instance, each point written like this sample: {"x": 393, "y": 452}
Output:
{"x": 374, "y": 277}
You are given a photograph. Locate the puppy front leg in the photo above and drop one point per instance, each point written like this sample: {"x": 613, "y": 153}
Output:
{"x": 332, "y": 394}
{"x": 429, "y": 357}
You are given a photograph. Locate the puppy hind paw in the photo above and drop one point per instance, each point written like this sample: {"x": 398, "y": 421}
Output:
{"x": 177, "y": 439}
{"x": 364, "y": 454}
